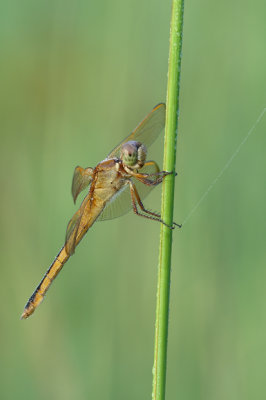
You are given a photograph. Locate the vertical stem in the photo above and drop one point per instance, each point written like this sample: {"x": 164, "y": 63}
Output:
{"x": 163, "y": 287}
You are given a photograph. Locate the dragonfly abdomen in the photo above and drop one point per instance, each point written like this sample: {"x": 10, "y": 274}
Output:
{"x": 39, "y": 293}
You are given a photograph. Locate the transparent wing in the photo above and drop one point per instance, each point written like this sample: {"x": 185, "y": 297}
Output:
{"x": 73, "y": 226}
{"x": 147, "y": 131}
{"x": 121, "y": 203}
{"x": 81, "y": 180}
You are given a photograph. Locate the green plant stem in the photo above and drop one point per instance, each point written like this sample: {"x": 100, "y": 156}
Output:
{"x": 163, "y": 288}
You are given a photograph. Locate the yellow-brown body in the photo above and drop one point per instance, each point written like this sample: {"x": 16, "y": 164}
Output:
{"x": 108, "y": 178}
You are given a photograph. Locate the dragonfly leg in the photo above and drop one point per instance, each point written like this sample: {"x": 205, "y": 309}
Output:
{"x": 147, "y": 178}
{"x": 145, "y": 213}
{"x": 151, "y": 179}
{"x": 158, "y": 173}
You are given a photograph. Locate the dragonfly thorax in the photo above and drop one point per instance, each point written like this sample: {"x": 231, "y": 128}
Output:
{"x": 133, "y": 154}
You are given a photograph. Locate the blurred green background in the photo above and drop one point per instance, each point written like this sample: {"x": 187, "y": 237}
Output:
{"x": 76, "y": 77}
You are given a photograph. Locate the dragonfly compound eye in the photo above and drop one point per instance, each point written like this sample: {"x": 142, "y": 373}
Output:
{"x": 129, "y": 153}
{"x": 142, "y": 152}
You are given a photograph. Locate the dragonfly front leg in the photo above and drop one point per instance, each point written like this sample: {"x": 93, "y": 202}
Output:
{"x": 146, "y": 213}
{"x": 151, "y": 178}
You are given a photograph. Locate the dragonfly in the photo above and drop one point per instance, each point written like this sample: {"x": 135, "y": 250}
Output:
{"x": 116, "y": 185}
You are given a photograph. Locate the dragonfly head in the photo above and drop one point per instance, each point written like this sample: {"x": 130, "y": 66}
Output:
{"x": 133, "y": 154}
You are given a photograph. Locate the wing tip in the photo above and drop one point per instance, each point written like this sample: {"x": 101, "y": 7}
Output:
{"x": 159, "y": 105}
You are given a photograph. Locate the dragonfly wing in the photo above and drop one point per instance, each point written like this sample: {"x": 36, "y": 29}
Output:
{"x": 121, "y": 204}
{"x": 73, "y": 227}
{"x": 71, "y": 233}
{"x": 147, "y": 131}
{"x": 81, "y": 180}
